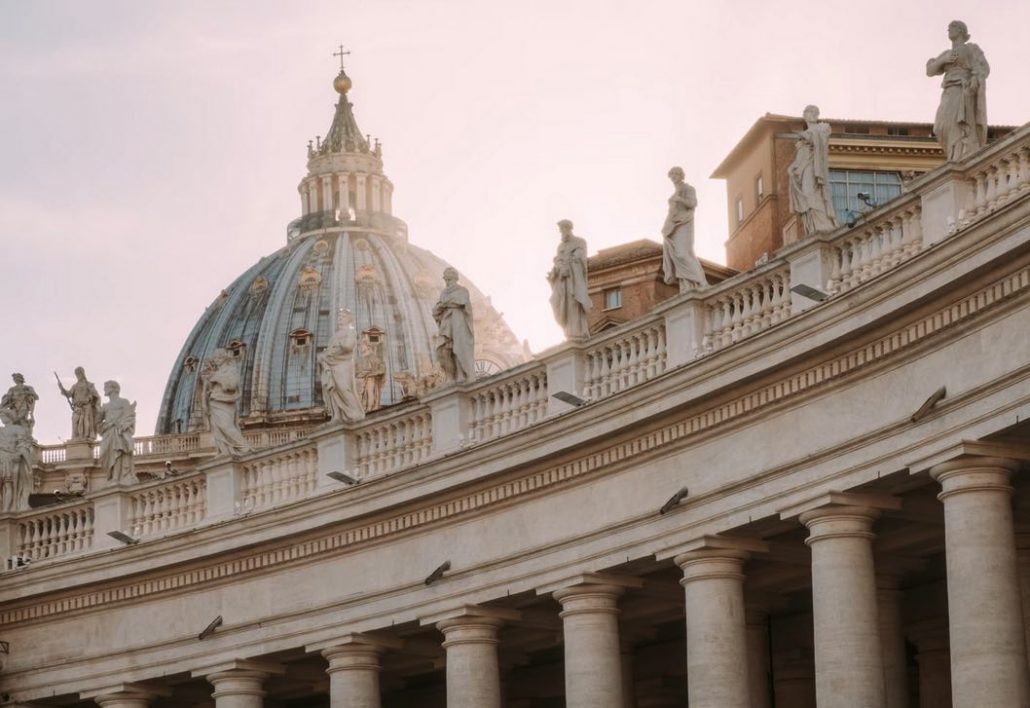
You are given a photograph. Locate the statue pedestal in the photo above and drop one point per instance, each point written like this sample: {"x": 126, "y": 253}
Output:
{"x": 79, "y": 450}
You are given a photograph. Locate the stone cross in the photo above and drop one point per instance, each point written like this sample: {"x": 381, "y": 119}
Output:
{"x": 341, "y": 54}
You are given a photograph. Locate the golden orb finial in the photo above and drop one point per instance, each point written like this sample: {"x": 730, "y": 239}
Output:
{"x": 342, "y": 83}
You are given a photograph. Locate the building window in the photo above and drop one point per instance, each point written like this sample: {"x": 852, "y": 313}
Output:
{"x": 895, "y": 130}
{"x": 846, "y": 185}
{"x": 613, "y": 299}
{"x": 740, "y": 209}
{"x": 300, "y": 338}
{"x": 759, "y": 189}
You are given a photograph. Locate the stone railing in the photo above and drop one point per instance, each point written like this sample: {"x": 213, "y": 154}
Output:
{"x": 57, "y": 531}
{"x": 998, "y": 175}
{"x": 278, "y": 478}
{"x": 741, "y": 308}
{"x": 156, "y": 445}
{"x": 625, "y": 359}
{"x": 873, "y": 247}
{"x": 386, "y": 445}
{"x": 52, "y": 454}
{"x": 168, "y": 506}
{"x": 508, "y": 404}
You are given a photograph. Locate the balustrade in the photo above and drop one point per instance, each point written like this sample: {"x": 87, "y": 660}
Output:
{"x": 166, "y": 444}
{"x": 750, "y": 307}
{"x": 394, "y": 444}
{"x": 865, "y": 252}
{"x": 625, "y": 360}
{"x": 56, "y": 532}
{"x": 279, "y": 478}
{"x": 168, "y": 506}
{"x": 508, "y": 405}
{"x": 1003, "y": 177}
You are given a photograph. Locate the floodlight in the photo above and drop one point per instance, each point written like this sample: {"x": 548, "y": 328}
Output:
{"x": 438, "y": 573}
{"x": 929, "y": 404}
{"x": 210, "y": 629}
{"x": 123, "y": 537}
{"x": 342, "y": 477}
{"x": 809, "y": 292}
{"x": 674, "y": 501}
{"x": 570, "y": 398}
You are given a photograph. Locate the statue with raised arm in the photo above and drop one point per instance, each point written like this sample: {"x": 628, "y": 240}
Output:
{"x": 220, "y": 395}
{"x": 455, "y": 350}
{"x": 568, "y": 278}
{"x": 117, "y": 422}
{"x": 16, "y": 455}
{"x": 85, "y": 403}
{"x": 371, "y": 373}
{"x": 20, "y": 400}
{"x": 809, "y": 176}
{"x": 339, "y": 385}
{"x": 961, "y": 121}
{"x": 679, "y": 264}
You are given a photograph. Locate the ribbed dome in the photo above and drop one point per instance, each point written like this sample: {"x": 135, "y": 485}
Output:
{"x": 281, "y": 313}
{"x": 346, "y": 251}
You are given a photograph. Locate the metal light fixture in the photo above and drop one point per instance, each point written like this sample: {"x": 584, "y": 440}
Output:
{"x": 342, "y": 477}
{"x": 570, "y": 398}
{"x": 210, "y": 629}
{"x": 438, "y": 573}
{"x": 674, "y": 501}
{"x": 123, "y": 537}
{"x": 928, "y": 405}
{"x": 809, "y": 292}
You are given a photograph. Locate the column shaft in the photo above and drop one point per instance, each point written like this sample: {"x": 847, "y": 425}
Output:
{"x": 473, "y": 675}
{"x": 892, "y": 644}
{"x": 238, "y": 688}
{"x": 758, "y": 657}
{"x": 593, "y": 667}
{"x": 353, "y": 676}
{"x": 985, "y": 617}
{"x": 713, "y": 583}
{"x": 848, "y": 655}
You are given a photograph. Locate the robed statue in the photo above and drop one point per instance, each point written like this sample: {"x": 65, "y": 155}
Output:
{"x": 85, "y": 404}
{"x": 117, "y": 421}
{"x": 220, "y": 395}
{"x": 809, "y": 176}
{"x": 679, "y": 264}
{"x": 961, "y": 122}
{"x": 455, "y": 349}
{"x": 16, "y": 455}
{"x": 570, "y": 300}
{"x": 339, "y": 384}
{"x": 20, "y": 400}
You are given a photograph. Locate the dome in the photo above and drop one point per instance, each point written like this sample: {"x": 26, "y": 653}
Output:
{"x": 345, "y": 251}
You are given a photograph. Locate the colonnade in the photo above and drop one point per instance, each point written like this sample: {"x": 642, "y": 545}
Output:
{"x": 371, "y": 192}
{"x": 857, "y": 627}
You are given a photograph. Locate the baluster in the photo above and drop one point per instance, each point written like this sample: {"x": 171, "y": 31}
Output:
{"x": 1023, "y": 178}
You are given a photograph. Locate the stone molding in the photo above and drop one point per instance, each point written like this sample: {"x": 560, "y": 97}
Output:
{"x": 793, "y": 386}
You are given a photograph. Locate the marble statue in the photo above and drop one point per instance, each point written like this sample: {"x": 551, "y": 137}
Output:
{"x": 220, "y": 395}
{"x": 372, "y": 372}
{"x": 455, "y": 350}
{"x": 568, "y": 278}
{"x": 85, "y": 403}
{"x": 20, "y": 400}
{"x": 809, "y": 176}
{"x": 342, "y": 402}
{"x": 961, "y": 121}
{"x": 679, "y": 264}
{"x": 16, "y": 480}
{"x": 117, "y": 423}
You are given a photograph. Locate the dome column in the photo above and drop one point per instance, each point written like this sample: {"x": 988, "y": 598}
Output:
{"x": 344, "y": 187}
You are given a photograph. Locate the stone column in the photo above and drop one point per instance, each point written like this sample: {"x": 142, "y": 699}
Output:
{"x": 473, "y": 673}
{"x": 934, "y": 662}
{"x": 126, "y": 695}
{"x": 1023, "y": 568}
{"x": 988, "y": 646}
{"x": 757, "y": 655}
{"x": 848, "y": 653}
{"x": 626, "y": 664}
{"x": 361, "y": 192}
{"x": 238, "y": 683}
{"x": 344, "y": 186}
{"x": 327, "y": 193}
{"x": 593, "y": 665}
{"x": 717, "y": 656}
{"x": 354, "y": 668}
{"x": 892, "y": 641}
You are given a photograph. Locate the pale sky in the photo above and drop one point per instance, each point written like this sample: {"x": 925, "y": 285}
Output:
{"x": 151, "y": 151}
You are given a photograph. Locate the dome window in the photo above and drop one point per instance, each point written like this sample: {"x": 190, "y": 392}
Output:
{"x": 189, "y": 364}
{"x": 300, "y": 338}
{"x": 237, "y": 348}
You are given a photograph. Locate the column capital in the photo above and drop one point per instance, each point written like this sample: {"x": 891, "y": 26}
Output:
{"x": 470, "y": 614}
{"x": 125, "y": 693}
{"x": 238, "y": 668}
{"x": 974, "y": 473}
{"x": 357, "y": 641}
{"x": 1008, "y": 450}
{"x": 590, "y": 583}
{"x": 827, "y": 502}
{"x": 712, "y": 544}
